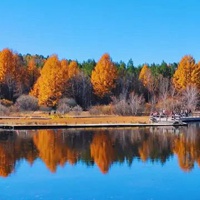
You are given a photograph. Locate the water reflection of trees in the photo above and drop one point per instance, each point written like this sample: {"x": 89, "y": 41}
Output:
{"x": 187, "y": 147}
{"x": 53, "y": 149}
{"x": 102, "y": 150}
{"x": 102, "y": 147}
{"x": 13, "y": 149}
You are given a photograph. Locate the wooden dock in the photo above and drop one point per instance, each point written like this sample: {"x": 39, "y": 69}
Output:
{"x": 104, "y": 125}
{"x": 190, "y": 119}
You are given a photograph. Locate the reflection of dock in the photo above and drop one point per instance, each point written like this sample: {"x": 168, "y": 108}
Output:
{"x": 165, "y": 129}
{"x": 104, "y": 125}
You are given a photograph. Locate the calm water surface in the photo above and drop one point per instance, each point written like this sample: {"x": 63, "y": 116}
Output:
{"x": 136, "y": 163}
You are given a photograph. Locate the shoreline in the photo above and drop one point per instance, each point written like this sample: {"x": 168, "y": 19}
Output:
{"x": 66, "y": 120}
{"x": 45, "y": 122}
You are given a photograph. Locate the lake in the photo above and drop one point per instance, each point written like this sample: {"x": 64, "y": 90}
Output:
{"x": 123, "y": 163}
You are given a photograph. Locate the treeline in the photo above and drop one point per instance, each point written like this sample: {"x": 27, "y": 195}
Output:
{"x": 37, "y": 82}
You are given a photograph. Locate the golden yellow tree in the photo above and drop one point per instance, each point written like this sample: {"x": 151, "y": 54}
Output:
{"x": 33, "y": 72}
{"x": 35, "y": 90}
{"x": 11, "y": 71}
{"x": 6, "y": 64}
{"x": 103, "y": 76}
{"x": 54, "y": 77}
{"x": 148, "y": 80}
{"x": 183, "y": 75}
{"x": 48, "y": 88}
{"x": 145, "y": 76}
{"x": 196, "y": 76}
{"x": 64, "y": 67}
{"x": 72, "y": 69}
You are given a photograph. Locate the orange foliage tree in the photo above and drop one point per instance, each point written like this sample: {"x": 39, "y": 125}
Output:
{"x": 183, "y": 76}
{"x": 147, "y": 79}
{"x": 11, "y": 71}
{"x": 70, "y": 71}
{"x": 52, "y": 82}
{"x": 73, "y": 69}
{"x": 48, "y": 88}
{"x": 145, "y": 75}
{"x": 33, "y": 72}
{"x": 195, "y": 75}
{"x": 103, "y": 76}
{"x": 6, "y": 64}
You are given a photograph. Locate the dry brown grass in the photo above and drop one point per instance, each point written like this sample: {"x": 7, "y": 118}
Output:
{"x": 85, "y": 118}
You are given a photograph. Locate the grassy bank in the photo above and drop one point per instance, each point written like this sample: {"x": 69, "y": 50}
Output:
{"x": 84, "y": 118}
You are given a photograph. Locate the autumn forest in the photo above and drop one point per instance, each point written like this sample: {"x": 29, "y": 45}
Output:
{"x": 32, "y": 82}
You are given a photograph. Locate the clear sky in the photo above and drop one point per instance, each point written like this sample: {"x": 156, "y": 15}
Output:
{"x": 145, "y": 30}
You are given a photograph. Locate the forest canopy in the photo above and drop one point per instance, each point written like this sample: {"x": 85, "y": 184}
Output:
{"x": 128, "y": 88}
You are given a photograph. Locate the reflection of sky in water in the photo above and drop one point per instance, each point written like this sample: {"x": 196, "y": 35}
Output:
{"x": 141, "y": 180}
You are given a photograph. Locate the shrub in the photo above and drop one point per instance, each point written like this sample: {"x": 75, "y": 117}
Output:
{"x": 3, "y": 110}
{"x": 107, "y": 109}
{"x": 14, "y": 108}
{"x": 45, "y": 108}
{"x": 136, "y": 103}
{"x": 122, "y": 108}
{"x": 132, "y": 105}
{"x": 68, "y": 101}
{"x": 77, "y": 110}
{"x": 99, "y": 110}
{"x": 95, "y": 110}
{"x": 27, "y": 103}
{"x": 63, "y": 108}
{"x": 147, "y": 108}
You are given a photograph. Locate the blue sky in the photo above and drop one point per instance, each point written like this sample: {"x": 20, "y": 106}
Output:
{"x": 146, "y": 31}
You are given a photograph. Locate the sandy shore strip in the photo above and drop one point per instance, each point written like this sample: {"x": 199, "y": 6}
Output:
{"x": 24, "y": 120}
